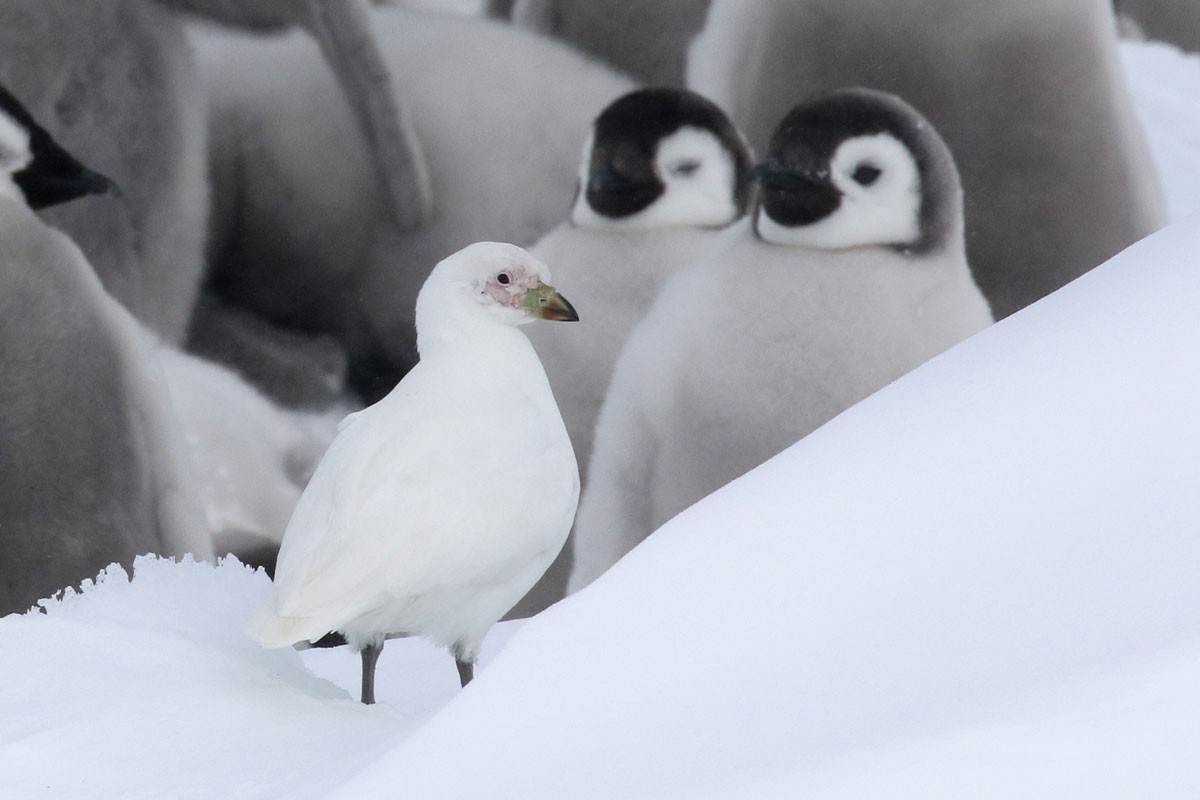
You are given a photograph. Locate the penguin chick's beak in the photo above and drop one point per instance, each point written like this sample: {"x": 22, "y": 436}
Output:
{"x": 770, "y": 174}
{"x": 544, "y": 301}
{"x": 606, "y": 180}
{"x": 55, "y": 176}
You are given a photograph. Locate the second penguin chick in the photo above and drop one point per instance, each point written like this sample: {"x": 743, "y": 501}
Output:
{"x": 851, "y": 272}
{"x": 663, "y": 172}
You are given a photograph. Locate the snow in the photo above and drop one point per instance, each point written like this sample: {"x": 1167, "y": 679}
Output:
{"x": 149, "y": 688}
{"x": 979, "y": 582}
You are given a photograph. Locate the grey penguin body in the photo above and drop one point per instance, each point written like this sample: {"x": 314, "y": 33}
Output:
{"x": 300, "y": 232}
{"x": 1174, "y": 21}
{"x": 116, "y": 84}
{"x": 89, "y": 471}
{"x": 757, "y": 344}
{"x": 1028, "y": 95}
{"x": 92, "y": 469}
{"x": 647, "y": 39}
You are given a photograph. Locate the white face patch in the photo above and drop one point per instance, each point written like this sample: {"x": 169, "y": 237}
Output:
{"x": 697, "y": 172}
{"x": 881, "y": 199}
{"x": 15, "y": 155}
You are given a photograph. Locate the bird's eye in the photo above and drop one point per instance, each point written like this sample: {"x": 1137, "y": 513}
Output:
{"x": 866, "y": 174}
{"x": 686, "y": 168}
{"x": 504, "y": 278}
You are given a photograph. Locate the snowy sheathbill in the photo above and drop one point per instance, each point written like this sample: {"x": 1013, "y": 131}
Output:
{"x": 435, "y": 509}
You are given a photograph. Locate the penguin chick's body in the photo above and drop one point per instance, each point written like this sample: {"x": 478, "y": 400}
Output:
{"x": 850, "y": 274}
{"x": 91, "y": 466}
{"x": 435, "y": 510}
{"x": 663, "y": 172}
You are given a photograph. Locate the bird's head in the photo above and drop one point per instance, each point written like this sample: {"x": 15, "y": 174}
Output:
{"x": 489, "y": 281}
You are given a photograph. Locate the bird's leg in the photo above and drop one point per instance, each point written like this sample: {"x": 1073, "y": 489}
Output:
{"x": 370, "y": 655}
{"x": 466, "y": 670}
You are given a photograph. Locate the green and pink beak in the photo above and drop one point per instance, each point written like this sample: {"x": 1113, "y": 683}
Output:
{"x": 544, "y": 302}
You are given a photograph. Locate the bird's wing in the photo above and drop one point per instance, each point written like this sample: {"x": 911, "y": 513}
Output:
{"x": 396, "y": 505}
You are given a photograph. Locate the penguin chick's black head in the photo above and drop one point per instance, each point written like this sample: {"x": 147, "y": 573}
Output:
{"x": 50, "y": 175}
{"x": 796, "y": 183}
{"x": 621, "y": 176}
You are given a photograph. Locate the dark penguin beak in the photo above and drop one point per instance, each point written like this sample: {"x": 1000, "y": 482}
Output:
{"x": 795, "y": 197}
{"x": 615, "y": 195}
{"x": 607, "y": 181}
{"x": 55, "y": 176}
{"x": 770, "y": 174}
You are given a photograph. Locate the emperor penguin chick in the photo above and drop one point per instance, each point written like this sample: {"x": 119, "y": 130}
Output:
{"x": 850, "y": 273}
{"x": 663, "y": 171}
{"x": 91, "y": 463}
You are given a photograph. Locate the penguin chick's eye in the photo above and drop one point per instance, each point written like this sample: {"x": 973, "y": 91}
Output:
{"x": 686, "y": 168}
{"x": 504, "y": 278}
{"x": 866, "y": 174}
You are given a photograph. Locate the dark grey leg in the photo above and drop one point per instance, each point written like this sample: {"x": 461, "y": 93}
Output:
{"x": 466, "y": 670}
{"x": 370, "y": 655}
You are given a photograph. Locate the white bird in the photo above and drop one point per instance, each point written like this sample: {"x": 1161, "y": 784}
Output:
{"x": 435, "y": 509}
{"x": 663, "y": 172}
{"x": 851, "y": 272}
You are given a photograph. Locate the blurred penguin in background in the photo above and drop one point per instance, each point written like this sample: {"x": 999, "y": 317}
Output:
{"x": 91, "y": 464}
{"x": 1174, "y": 21}
{"x": 117, "y": 81}
{"x": 850, "y": 273}
{"x": 663, "y": 172}
{"x": 647, "y": 39}
{"x": 1029, "y": 95}
{"x": 302, "y": 237}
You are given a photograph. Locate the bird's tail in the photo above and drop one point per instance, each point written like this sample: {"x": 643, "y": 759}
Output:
{"x": 271, "y": 630}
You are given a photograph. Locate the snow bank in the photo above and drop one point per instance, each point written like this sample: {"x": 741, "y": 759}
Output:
{"x": 1017, "y": 515}
{"x": 149, "y": 688}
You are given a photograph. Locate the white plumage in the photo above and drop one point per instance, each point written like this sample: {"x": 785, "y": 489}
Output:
{"x": 786, "y": 322}
{"x": 436, "y": 509}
